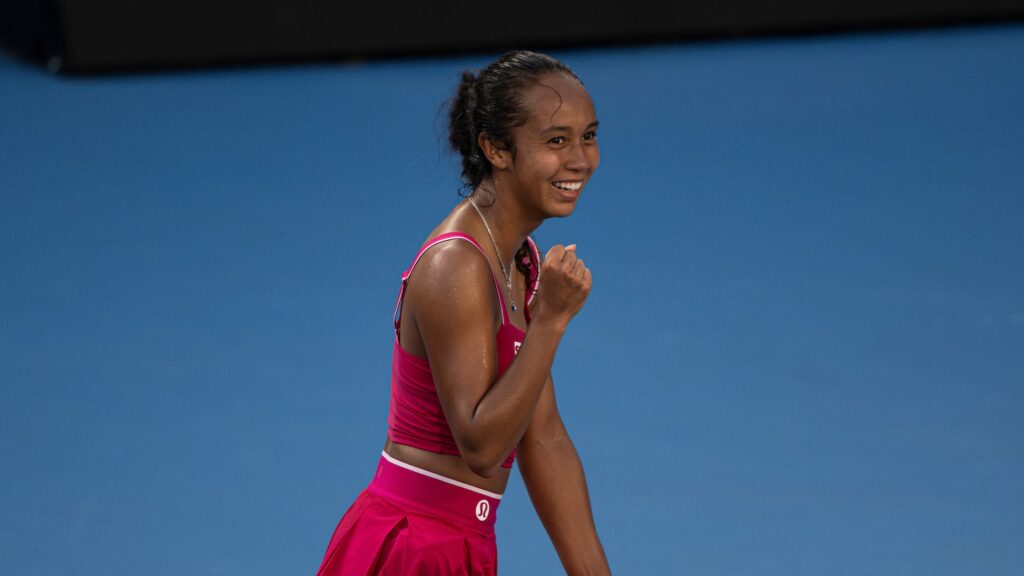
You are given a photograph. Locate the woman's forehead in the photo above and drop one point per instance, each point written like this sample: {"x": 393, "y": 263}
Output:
{"x": 555, "y": 96}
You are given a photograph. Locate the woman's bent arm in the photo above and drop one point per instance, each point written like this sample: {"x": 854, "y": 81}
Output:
{"x": 453, "y": 298}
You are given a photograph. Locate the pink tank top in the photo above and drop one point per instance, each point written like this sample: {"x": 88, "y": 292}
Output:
{"x": 416, "y": 418}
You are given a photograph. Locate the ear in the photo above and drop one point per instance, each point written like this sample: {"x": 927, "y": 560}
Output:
{"x": 499, "y": 158}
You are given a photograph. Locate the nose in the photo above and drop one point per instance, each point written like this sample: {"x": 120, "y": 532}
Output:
{"x": 578, "y": 158}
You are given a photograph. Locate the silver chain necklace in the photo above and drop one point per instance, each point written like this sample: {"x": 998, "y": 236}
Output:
{"x": 507, "y": 273}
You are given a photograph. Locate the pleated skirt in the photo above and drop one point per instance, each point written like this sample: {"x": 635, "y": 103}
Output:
{"x": 410, "y": 521}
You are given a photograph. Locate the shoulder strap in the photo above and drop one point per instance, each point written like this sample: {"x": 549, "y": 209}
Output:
{"x": 534, "y": 280}
{"x": 396, "y": 318}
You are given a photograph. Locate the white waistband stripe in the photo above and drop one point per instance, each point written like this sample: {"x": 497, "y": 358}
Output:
{"x": 444, "y": 479}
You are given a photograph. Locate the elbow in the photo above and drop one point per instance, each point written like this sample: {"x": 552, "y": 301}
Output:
{"x": 483, "y": 463}
{"x": 545, "y": 451}
{"x": 485, "y": 467}
{"x": 484, "y": 471}
{"x": 481, "y": 449}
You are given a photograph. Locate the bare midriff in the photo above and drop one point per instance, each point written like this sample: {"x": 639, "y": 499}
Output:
{"x": 448, "y": 466}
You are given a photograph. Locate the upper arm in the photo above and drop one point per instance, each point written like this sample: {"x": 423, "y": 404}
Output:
{"x": 452, "y": 298}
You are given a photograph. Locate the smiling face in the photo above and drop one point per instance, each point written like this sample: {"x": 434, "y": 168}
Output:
{"x": 556, "y": 149}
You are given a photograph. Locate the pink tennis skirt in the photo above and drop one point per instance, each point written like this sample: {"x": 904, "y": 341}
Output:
{"x": 412, "y": 521}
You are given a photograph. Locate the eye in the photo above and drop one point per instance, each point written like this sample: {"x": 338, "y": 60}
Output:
{"x": 557, "y": 140}
{"x": 592, "y": 135}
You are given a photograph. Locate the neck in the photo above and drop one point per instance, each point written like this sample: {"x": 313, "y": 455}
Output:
{"x": 507, "y": 221}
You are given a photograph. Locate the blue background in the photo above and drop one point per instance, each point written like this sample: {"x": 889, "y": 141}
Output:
{"x": 803, "y": 354}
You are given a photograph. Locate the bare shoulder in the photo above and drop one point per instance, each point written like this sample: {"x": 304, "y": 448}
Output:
{"x": 452, "y": 279}
{"x": 453, "y": 264}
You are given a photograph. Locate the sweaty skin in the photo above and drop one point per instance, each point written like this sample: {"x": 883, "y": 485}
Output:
{"x": 487, "y": 420}
{"x": 450, "y": 315}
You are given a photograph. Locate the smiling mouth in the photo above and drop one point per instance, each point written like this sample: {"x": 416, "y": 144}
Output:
{"x": 573, "y": 186}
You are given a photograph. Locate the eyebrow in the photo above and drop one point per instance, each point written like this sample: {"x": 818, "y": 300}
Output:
{"x": 550, "y": 129}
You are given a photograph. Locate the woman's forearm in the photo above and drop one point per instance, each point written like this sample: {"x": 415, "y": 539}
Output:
{"x": 501, "y": 417}
{"x": 554, "y": 478}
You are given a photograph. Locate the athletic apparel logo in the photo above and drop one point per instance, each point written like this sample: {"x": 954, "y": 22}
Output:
{"x": 518, "y": 344}
{"x": 483, "y": 510}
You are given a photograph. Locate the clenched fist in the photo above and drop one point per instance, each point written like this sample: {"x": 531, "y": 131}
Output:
{"x": 564, "y": 286}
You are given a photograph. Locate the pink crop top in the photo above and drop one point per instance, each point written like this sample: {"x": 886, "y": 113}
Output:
{"x": 416, "y": 418}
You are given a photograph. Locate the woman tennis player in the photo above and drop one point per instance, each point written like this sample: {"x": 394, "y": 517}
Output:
{"x": 478, "y": 321}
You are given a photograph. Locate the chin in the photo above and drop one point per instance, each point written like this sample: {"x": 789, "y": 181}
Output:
{"x": 562, "y": 203}
{"x": 562, "y": 209}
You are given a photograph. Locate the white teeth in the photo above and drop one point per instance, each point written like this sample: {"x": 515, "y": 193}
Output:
{"x": 571, "y": 186}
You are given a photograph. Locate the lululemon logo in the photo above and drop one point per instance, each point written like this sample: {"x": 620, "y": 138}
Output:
{"x": 483, "y": 510}
{"x": 517, "y": 346}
